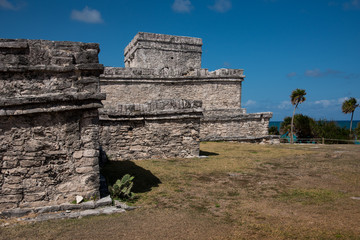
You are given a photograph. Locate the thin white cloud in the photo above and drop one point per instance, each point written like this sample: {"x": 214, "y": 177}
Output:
{"x": 182, "y": 6}
{"x": 284, "y": 105}
{"x": 221, "y": 6}
{"x": 341, "y": 100}
{"x": 325, "y": 103}
{"x": 6, "y": 4}
{"x": 87, "y": 15}
{"x": 317, "y": 73}
{"x": 313, "y": 73}
{"x": 249, "y": 103}
{"x": 292, "y": 74}
{"x": 333, "y": 103}
{"x": 353, "y": 4}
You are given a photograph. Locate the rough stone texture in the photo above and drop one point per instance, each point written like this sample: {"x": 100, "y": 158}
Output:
{"x": 217, "y": 90}
{"x": 49, "y": 95}
{"x": 240, "y": 127}
{"x": 163, "y": 52}
{"x": 168, "y": 67}
{"x": 158, "y": 129}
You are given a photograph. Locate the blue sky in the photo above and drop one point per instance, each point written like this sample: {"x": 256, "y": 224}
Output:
{"x": 281, "y": 44}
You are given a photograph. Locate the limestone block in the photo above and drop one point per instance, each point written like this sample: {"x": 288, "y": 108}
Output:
{"x": 34, "y": 197}
{"x": 78, "y": 154}
{"x": 14, "y": 198}
{"x": 86, "y": 169}
{"x": 90, "y": 153}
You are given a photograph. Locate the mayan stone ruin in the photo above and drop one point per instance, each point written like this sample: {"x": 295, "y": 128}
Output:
{"x": 49, "y": 100}
{"x": 159, "y": 66}
{"x": 61, "y": 112}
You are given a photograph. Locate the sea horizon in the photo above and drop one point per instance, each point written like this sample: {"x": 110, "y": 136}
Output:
{"x": 340, "y": 123}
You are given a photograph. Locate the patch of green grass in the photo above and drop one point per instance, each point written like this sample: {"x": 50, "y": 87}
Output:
{"x": 310, "y": 196}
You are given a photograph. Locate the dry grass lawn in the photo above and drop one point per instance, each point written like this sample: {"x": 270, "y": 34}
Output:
{"x": 240, "y": 191}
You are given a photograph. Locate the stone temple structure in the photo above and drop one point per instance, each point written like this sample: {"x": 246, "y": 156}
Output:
{"x": 60, "y": 111}
{"x": 161, "y": 66}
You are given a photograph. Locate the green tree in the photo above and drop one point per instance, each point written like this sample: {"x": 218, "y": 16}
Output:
{"x": 357, "y": 130}
{"x": 349, "y": 106}
{"x": 285, "y": 125}
{"x": 273, "y": 130}
{"x": 303, "y": 126}
{"x": 331, "y": 131}
{"x": 297, "y": 96}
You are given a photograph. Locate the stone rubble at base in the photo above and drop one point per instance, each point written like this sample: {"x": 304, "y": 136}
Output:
{"x": 66, "y": 211}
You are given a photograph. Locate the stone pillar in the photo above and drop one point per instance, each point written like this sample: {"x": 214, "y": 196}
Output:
{"x": 49, "y": 96}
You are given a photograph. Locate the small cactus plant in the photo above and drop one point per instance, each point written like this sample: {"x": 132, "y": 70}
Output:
{"x": 122, "y": 188}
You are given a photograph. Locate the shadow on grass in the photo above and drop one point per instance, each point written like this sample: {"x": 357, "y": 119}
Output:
{"x": 205, "y": 153}
{"x": 143, "y": 182}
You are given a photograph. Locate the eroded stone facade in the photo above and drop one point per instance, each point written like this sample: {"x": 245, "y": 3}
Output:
{"x": 157, "y": 129}
{"x": 159, "y": 66}
{"x": 49, "y": 96}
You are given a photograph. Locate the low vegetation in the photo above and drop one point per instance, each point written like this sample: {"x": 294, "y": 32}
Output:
{"x": 121, "y": 189}
{"x": 239, "y": 191}
{"x": 306, "y": 127}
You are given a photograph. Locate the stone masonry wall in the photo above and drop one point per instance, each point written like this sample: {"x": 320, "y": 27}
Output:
{"x": 220, "y": 89}
{"x": 164, "y": 52}
{"x": 235, "y": 128}
{"x": 158, "y": 129}
{"x": 49, "y": 95}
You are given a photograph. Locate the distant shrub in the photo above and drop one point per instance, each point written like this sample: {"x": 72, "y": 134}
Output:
{"x": 273, "y": 130}
{"x": 302, "y": 126}
{"x": 330, "y": 130}
{"x": 306, "y": 127}
{"x": 357, "y": 130}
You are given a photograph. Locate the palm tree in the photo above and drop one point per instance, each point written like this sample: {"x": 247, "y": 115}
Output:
{"x": 349, "y": 106}
{"x": 297, "y": 97}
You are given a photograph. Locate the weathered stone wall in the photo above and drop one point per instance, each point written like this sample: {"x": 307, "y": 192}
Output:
{"x": 163, "y": 52}
{"x": 158, "y": 129}
{"x": 237, "y": 127}
{"x": 49, "y": 95}
{"x": 220, "y": 89}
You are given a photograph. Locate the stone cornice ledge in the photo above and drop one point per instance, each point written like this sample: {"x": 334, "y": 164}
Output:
{"x": 50, "y": 97}
{"x": 240, "y": 138}
{"x": 154, "y": 116}
{"x": 143, "y": 74}
{"x": 53, "y": 68}
{"x": 66, "y": 106}
{"x": 238, "y": 117}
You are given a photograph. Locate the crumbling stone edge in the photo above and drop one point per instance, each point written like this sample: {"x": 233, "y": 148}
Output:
{"x": 64, "y": 211}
